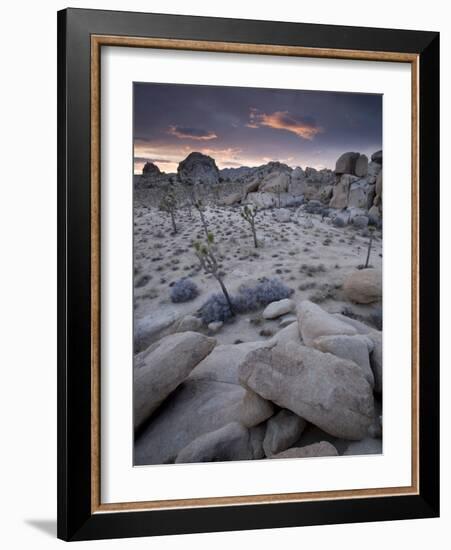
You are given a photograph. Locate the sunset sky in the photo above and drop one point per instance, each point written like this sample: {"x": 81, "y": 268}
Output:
{"x": 251, "y": 126}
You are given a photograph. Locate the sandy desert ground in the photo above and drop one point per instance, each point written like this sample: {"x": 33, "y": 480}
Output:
{"x": 307, "y": 253}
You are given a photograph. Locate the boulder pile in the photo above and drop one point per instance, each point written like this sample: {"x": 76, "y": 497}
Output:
{"x": 308, "y": 391}
{"x": 357, "y": 194}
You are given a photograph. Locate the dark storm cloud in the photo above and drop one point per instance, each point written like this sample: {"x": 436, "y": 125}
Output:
{"x": 249, "y": 126}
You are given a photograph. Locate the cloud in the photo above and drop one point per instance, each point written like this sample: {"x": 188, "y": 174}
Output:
{"x": 197, "y": 134}
{"x": 304, "y": 127}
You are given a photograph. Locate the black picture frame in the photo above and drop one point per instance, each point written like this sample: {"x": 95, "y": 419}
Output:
{"x": 76, "y": 520}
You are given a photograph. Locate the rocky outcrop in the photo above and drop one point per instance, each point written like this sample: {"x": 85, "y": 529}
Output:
{"x": 235, "y": 174}
{"x": 377, "y": 157}
{"x": 346, "y": 163}
{"x": 321, "y": 370}
{"x": 314, "y": 322}
{"x": 151, "y": 176}
{"x": 355, "y": 348}
{"x": 231, "y": 442}
{"x": 233, "y": 198}
{"x": 198, "y": 406}
{"x": 279, "y": 308}
{"x": 329, "y": 392}
{"x": 262, "y": 200}
{"x": 275, "y": 183}
{"x": 361, "y": 166}
{"x": 209, "y": 399}
{"x": 359, "y": 185}
{"x": 340, "y": 193}
{"x": 363, "y": 286}
{"x": 361, "y": 195}
{"x": 198, "y": 169}
{"x": 323, "y": 448}
{"x": 282, "y": 431}
{"x": 188, "y": 323}
{"x": 151, "y": 169}
{"x": 160, "y": 369}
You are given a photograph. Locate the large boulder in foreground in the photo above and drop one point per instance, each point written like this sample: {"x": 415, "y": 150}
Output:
{"x": 222, "y": 364}
{"x": 231, "y": 442}
{"x": 323, "y": 448}
{"x": 198, "y": 168}
{"x": 197, "y": 407}
{"x": 209, "y": 399}
{"x": 355, "y": 348}
{"x": 162, "y": 367}
{"x": 330, "y": 392}
{"x": 314, "y": 322}
{"x": 363, "y": 286}
{"x": 282, "y": 431}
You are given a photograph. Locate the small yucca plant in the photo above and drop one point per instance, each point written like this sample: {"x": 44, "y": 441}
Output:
{"x": 249, "y": 213}
{"x": 169, "y": 204}
{"x": 207, "y": 259}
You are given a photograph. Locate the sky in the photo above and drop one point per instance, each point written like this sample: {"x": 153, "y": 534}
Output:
{"x": 251, "y": 126}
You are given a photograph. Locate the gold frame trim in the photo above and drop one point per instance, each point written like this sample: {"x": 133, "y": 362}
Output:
{"x": 97, "y": 41}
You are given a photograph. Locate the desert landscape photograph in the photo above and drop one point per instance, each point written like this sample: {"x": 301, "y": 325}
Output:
{"x": 257, "y": 257}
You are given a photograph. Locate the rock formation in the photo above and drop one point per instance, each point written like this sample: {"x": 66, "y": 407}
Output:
{"x": 164, "y": 366}
{"x": 359, "y": 186}
{"x": 198, "y": 169}
{"x": 197, "y": 402}
{"x": 151, "y": 169}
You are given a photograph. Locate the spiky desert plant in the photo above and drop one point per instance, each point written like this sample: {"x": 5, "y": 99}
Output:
{"x": 169, "y": 204}
{"x": 248, "y": 213}
{"x": 200, "y": 207}
{"x": 210, "y": 265}
{"x": 370, "y": 242}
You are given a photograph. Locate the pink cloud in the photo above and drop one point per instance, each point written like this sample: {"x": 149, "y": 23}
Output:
{"x": 303, "y": 127}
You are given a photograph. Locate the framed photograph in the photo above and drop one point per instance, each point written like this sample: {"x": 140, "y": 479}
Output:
{"x": 248, "y": 274}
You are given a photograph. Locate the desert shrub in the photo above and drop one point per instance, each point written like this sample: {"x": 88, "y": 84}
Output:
{"x": 215, "y": 308}
{"x": 247, "y": 299}
{"x": 184, "y": 290}
{"x": 260, "y": 295}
